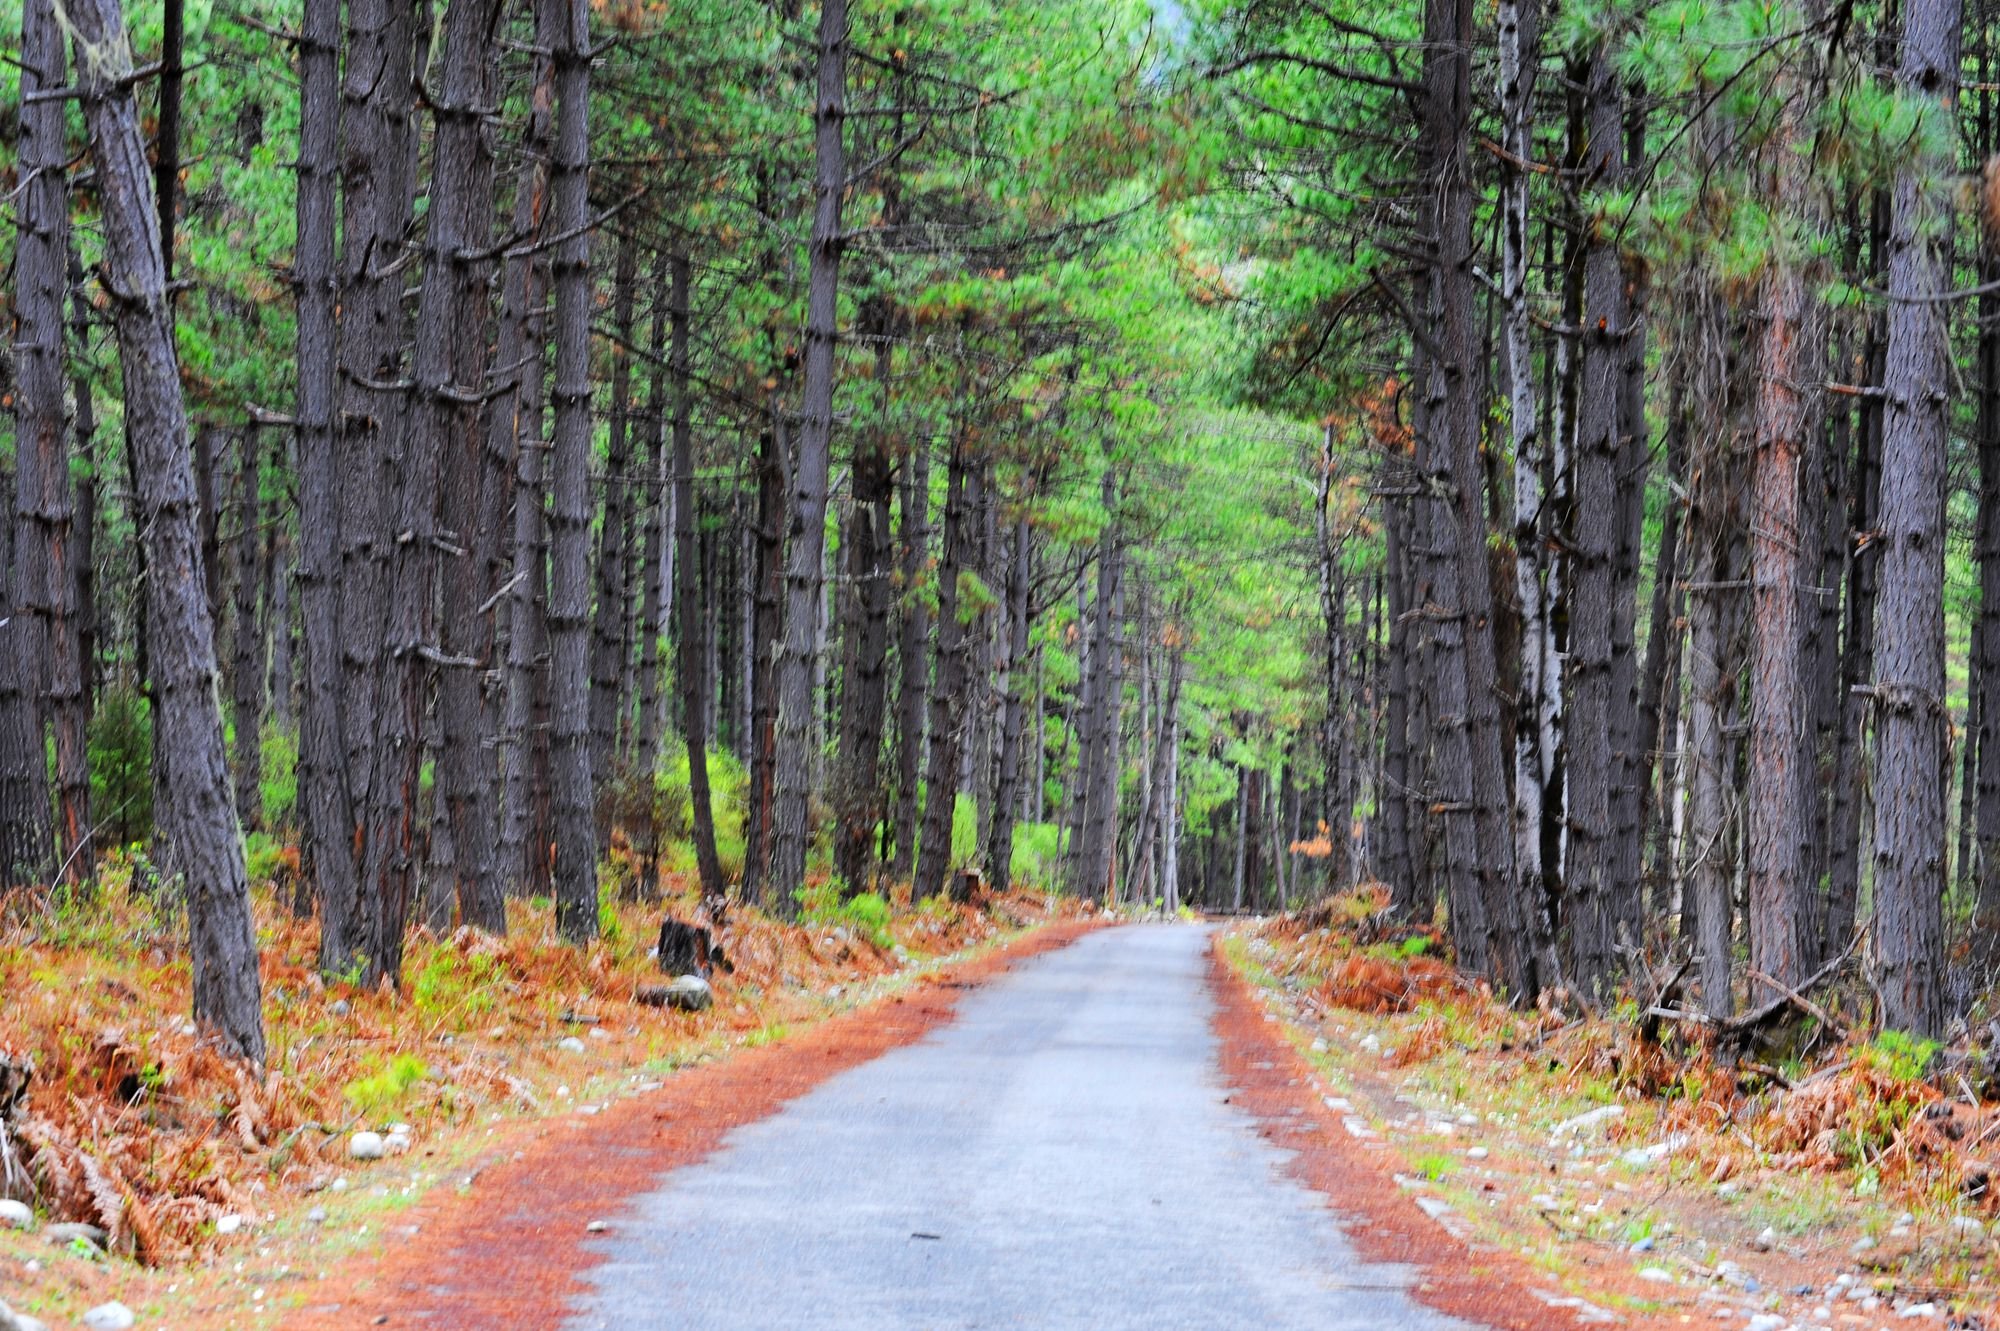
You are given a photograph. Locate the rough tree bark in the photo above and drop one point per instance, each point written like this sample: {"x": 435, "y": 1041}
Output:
{"x": 658, "y": 570}
{"x": 912, "y": 657}
{"x": 326, "y": 791}
{"x": 48, "y": 663}
{"x": 693, "y": 681}
{"x": 196, "y": 816}
{"x": 453, "y": 362}
{"x": 867, "y": 548}
{"x": 569, "y": 520}
{"x": 1588, "y": 876}
{"x": 247, "y": 674}
{"x": 1910, "y": 679}
{"x": 525, "y": 833}
{"x": 1012, "y": 667}
{"x": 1538, "y": 700}
{"x": 1777, "y": 798}
{"x": 963, "y": 480}
{"x": 805, "y": 549}
{"x": 608, "y": 625}
{"x": 377, "y": 198}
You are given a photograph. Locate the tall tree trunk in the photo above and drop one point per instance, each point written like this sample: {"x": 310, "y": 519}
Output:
{"x": 453, "y": 364}
{"x": 569, "y": 521}
{"x": 805, "y": 551}
{"x": 1333, "y": 628}
{"x": 766, "y": 605}
{"x": 1170, "y": 852}
{"x": 1013, "y": 665}
{"x": 247, "y": 678}
{"x": 525, "y": 831}
{"x": 689, "y": 603}
{"x": 1986, "y": 631}
{"x": 48, "y": 651}
{"x": 83, "y": 563}
{"x": 1777, "y": 798}
{"x": 326, "y": 781}
{"x": 1098, "y": 774}
{"x": 1394, "y": 862}
{"x": 913, "y": 659}
{"x": 659, "y": 566}
{"x": 1588, "y": 733}
{"x": 196, "y": 815}
{"x": 867, "y": 548}
{"x": 1713, "y": 680}
{"x": 1486, "y": 909}
{"x": 1857, "y": 658}
{"x": 377, "y": 195}
{"x": 608, "y": 626}
{"x": 1659, "y": 679}
{"x": 948, "y": 701}
{"x": 1909, "y": 686}
{"x": 1539, "y": 701}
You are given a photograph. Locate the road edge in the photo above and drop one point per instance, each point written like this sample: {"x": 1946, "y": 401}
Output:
{"x": 1272, "y": 1081}
{"x": 511, "y": 1250}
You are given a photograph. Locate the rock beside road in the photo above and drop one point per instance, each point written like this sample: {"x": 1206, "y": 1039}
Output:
{"x": 13, "y": 1321}
{"x": 689, "y": 993}
{"x": 112, "y": 1316}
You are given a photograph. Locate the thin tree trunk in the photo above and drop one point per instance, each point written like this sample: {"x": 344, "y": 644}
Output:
{"x": 196, "y": 814}
{"x": 913, "y": 658}
{"x": 766, "y": 604}
{"x": 1857, "y": 666}
{"x": 612, "y": 594}
{"x": 1013, "y": 669}
{"x": 689, "y": 605}
{"x": 247, "y": 678}
{"x": 948, "y": 700}
{"x": 1986, "y": 631}
{"x": 1539, "y": 699}
{"x": 867, "y": 548}
{"x": 658, "y": 571}
{"x": 1394, "y": 863}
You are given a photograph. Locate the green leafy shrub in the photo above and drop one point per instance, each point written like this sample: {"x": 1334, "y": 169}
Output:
{"x": 822, "y": 905}
{"x": 1036, "y": 862}
{"x": 263, "y": 856}
{"x": 456, "y": 984}
{"x": 386, "y": 1086}
{"x": 728, "y": 790}
{"x": 121, "y": 765}
{"x": 1898, "y": 1055}
{"x": 279, "y": 779}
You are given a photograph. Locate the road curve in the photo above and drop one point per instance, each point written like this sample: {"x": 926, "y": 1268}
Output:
{"x": 1060, "y": 1156}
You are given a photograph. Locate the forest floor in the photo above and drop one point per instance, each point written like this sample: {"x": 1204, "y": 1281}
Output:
{"x": 199, "y": 1196}
{"x": 1623, "y": 1169}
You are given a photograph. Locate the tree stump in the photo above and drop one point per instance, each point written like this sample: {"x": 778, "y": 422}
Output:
{"x": 686, "y": 949}
{"x": 968, "y": 888}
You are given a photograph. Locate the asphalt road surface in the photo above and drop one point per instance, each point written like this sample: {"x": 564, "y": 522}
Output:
{"x": 1060, "y": 1156}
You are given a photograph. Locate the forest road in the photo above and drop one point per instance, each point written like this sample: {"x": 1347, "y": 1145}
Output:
{"x": 1062, "y": 1155}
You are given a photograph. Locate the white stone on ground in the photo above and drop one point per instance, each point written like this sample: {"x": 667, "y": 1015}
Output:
{"x": 113, "y": 1316}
